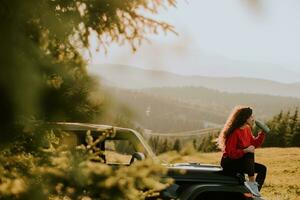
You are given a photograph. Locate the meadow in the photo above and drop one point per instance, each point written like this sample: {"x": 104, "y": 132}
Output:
{"x": 283, "y": 176}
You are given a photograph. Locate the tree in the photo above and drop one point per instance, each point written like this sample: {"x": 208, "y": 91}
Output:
{"x": 278, "y": 126}
{"x": 44, "y": 77}
{"x": 177, "y": 145}
{"x": 195, "y": 143}
{"x": 292, "y": 127}
{"x": 208, "y": 143}
{"x": 296, "y": 136}
{"x": 295, "y": 127}
{"x": 154, "y": 143}
{"x": 43, "y": 73}
{"x": 165, "y": 146}
{"x": 284, "y": 130}
{"x": 294, "y": 120}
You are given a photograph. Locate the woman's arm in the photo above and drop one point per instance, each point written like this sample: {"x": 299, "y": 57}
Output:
{"x": 257, "y": 141}
{"x": 231, "y": 147}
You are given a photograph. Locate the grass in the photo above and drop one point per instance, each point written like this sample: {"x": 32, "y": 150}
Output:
{"x": 283, "y": 176}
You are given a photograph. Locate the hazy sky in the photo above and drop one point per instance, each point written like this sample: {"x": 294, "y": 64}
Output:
{"x": 251, "y": 38}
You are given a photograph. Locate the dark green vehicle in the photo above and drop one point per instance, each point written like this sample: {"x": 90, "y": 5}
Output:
{"x": 123, "y": 146}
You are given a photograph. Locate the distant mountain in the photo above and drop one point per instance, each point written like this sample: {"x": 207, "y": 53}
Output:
{"x": 135, "y": 78}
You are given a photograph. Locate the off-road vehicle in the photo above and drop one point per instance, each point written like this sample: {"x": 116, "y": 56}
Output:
{"x": 123, "y": 146}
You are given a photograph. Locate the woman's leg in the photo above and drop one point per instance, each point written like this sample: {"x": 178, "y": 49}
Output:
{"x": 249, "y": 166}
{"x": 232, "y": 166}
{"x": 261, "y": 171}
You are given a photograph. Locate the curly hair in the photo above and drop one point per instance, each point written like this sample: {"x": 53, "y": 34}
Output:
{"x": 236, "y": 119}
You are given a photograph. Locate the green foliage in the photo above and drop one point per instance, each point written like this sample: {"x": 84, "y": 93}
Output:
{"x": 43, "y": 74}
{"x": 203, "y": 143}
{"x": 160, "y": 145}
{"x": 44, "y": 78}
{"x": 208, "y": 143}
{"x": 60, "y": 172}
{"x": 284, "y": 130}
{"x": 296, "y": 136}
{"x": 177, "y": 145}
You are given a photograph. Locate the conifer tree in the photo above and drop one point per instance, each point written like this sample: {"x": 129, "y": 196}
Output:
{"x": 292, "y": 122}
{"x": 177, "y": 145}
{"x": 165, "y": 146}
{"x": 296, "y": 133}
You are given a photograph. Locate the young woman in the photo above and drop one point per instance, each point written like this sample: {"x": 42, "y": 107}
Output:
{"x": 238, "y": 146}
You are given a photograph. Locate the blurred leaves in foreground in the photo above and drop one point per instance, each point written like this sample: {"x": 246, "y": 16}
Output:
{"x": 60, "y": 172}
{"x": 43, "y": 75}
{"x": 44, "y": 78}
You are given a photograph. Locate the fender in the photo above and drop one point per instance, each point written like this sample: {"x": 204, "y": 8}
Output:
{"x": 195, "y": 190}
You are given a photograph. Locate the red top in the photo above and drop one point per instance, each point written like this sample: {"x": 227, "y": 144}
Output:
{"x": 239, "y": 140}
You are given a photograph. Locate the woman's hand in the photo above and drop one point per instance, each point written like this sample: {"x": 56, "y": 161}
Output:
{"x": 249, "y": 149}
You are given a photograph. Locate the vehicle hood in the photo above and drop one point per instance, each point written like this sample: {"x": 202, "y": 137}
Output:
{"x": 195, "y": 172}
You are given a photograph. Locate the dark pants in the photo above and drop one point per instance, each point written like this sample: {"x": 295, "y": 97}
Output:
{"x": 246, "y": 165}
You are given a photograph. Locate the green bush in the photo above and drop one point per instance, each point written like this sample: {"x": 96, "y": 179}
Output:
{"x": 62, "y": 172}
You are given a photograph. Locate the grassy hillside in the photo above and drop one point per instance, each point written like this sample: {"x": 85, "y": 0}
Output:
{"x": 282, "y": 182}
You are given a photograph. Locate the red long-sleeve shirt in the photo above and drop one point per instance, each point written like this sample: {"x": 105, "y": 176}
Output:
{"x": 240, "y": 139}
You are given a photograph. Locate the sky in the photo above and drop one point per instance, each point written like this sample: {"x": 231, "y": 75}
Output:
{"x": 249, "y": 38}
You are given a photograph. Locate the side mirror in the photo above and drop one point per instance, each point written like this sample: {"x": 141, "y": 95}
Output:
{"x": 137, "y": 156}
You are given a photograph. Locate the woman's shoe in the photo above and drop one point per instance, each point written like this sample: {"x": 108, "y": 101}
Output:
{"x": 253, "y": 187}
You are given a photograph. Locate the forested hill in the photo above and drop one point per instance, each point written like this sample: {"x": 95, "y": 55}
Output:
{"x": 135, "y": 78}
{"x": 265, "y": 105}
{"x": 189, "y": 108}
